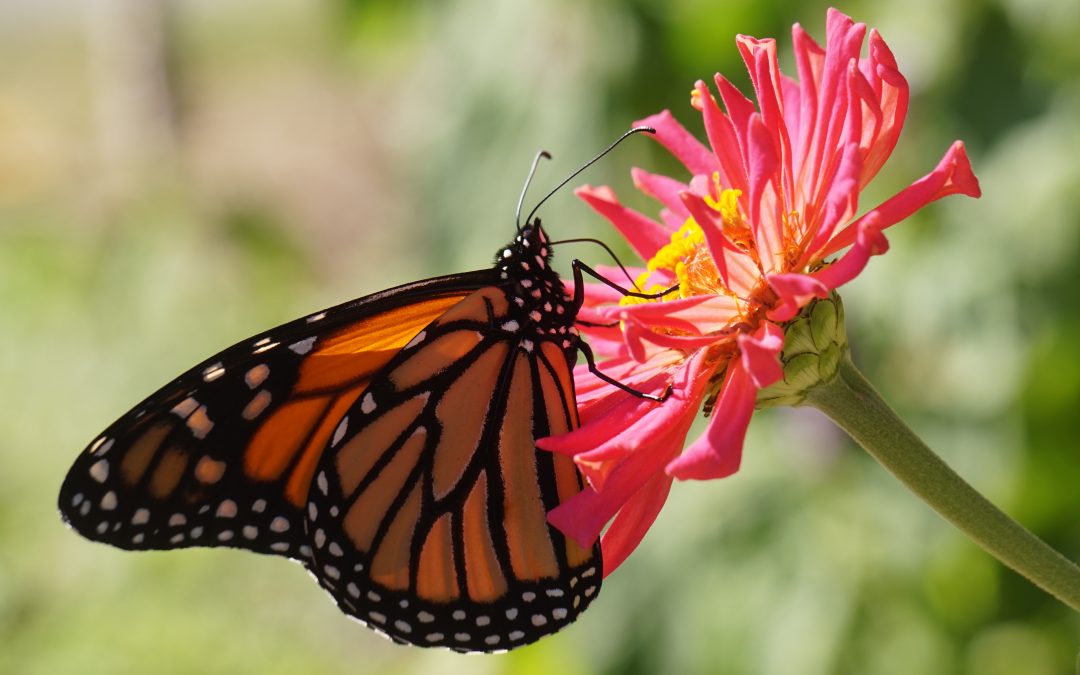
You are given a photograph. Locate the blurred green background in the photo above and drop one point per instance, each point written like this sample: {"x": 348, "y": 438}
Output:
{"x": 178, "y": 176}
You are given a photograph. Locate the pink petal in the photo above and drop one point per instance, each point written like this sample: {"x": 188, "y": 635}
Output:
{"x": 953, "y": 175}
{"x": 795, "y": 290}
{"x": 810, "y": 61}
{"x": 892, "y": 92}
{"x": 869, "y": 241}
{"x": 712, "y": 227}
{"x": 760, "y": 59}
{"x": 663, "y": 189}
{"x": 739, "y": 110}
{"x": 722, "y": 138}
{"x": 841, "y": 202}
{"x": 696, "y": 315}
{"x": 652, "y": 440}
{"x": 718, "y": 452}
{"x": 764, "y": 176}
{"x": 637, "y": 334}
{"x": 681, "y": 143}
{"x": 633, "y": 521}
{"x": 761, "y": 354}
{"x": 645, "y": 235}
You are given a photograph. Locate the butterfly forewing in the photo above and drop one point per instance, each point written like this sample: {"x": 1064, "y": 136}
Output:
{"x": 428, "y": 515}
{"x": 223, "y": 455}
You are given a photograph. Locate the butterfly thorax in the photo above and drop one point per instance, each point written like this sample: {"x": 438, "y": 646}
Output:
{"x": 541, "y": 306}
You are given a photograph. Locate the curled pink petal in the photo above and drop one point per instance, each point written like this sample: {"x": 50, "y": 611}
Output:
{"x": 869, "y": 241}
{"x": 719, "y": 452}
{"x": 681, "y": 143}
{"x": 761, "y": 354}
{"x": 644, "y": 234}
{"x": 725, "y": 143}
{"x": 953, "y": 175}
{"x": 663, "y": 189}
{"x": 795, "y": 290}
{"x": 633, "y": 520}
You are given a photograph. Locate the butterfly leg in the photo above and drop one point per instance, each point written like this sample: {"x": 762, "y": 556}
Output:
{"x": 591, "y": 360}
{"x": 579, "y": 287}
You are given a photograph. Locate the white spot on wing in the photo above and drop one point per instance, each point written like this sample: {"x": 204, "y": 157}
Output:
{"x": 316, "y": 317}
{"x": 108, "y": 502}
{"x": 340, "y": 431}
{"x": 99, "y": 470}
{"x": 101, "y": 446}
{"x": 256, "y": 375}
{"x": 417, "y": 339}
{"x": 367, "y": 404}
{"x": 279, "y": 524}
{"x": 265, "y": 348}
{"x": 185, "y": 407}
{"x": 303, "y": 346}
{"x": 211, "y": 373}
{"x": 256, "y": 405}
{"x": 227, "y": 509}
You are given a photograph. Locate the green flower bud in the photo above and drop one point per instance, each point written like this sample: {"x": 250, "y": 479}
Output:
{"x": 814, "y": 342}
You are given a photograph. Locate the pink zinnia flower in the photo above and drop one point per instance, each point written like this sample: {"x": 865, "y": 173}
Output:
{"x": 747, "y": 238}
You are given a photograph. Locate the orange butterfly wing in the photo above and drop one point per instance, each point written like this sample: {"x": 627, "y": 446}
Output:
{"x": 224, "y": 455}
{"x": 428, "y": 514}
{"x": 388, "y": 444}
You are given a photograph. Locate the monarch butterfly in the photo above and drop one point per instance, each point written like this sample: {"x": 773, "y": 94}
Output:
{"x": 388, "y": 444}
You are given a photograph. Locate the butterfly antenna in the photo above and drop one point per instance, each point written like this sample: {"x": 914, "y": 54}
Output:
{"x": 606, "y": 248}
{"x": 589, "y": 163}
{"x": 521, "y": 200}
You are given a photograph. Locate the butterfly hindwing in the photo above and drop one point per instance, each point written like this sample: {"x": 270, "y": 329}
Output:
{"x": 223, "y": 455}
{"x": 428, "y": 514}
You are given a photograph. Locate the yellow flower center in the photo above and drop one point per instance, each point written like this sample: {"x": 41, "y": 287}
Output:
{"x": 687, "y": 257}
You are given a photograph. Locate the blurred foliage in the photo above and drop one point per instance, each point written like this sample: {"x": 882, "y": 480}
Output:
{"x": 176, "y": 177}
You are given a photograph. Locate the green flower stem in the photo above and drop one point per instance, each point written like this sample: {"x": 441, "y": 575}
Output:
{"x": 853, "y": 403}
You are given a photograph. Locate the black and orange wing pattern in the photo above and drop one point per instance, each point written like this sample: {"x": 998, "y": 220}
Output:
{"x": 224, "y": 454}
{"x": 442, "y": 444}
{"x": 388, "y": 444}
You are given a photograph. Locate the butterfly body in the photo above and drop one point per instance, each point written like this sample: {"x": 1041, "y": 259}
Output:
{"x": 388, "y": 444}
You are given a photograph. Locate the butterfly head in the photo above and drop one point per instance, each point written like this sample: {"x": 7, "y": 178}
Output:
{"x": 537, "y": 290}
